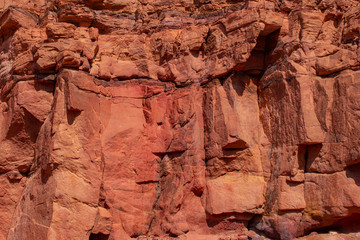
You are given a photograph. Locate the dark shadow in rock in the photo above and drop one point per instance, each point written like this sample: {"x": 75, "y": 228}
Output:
{"x": 25, "y": 121}
{"x": 307, "y": 153}
{"x": 14, "y": 177}
{"x": 45, "y": 82}
{"x": 239, "y": 144}
{"x": 348, "y": 224}
{"x": 46, "y": 171}
{"x": 231, "y": 150}
{"x": 71, "y": 115}
{"x": 32, "y": 125}
{"x": 98, "y": 236}
{"x": 353, "y": 172}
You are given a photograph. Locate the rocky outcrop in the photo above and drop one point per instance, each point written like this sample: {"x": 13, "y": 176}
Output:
{"x": 204, "y": 119}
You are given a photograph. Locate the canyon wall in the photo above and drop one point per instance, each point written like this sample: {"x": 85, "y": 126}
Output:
{"x": 189, "y": 119}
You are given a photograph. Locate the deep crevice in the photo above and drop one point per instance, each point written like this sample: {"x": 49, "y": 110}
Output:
{"x": 307, "y": 153}
{"x": 98, "y": 236}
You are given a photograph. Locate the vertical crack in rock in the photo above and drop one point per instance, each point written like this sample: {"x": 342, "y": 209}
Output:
{"x": 307, "y": 154}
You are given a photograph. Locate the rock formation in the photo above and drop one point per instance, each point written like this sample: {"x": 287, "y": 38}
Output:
{"x": 189, "y": 119}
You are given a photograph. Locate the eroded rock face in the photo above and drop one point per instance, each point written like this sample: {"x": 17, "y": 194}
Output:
{"x": 192, "y": 119}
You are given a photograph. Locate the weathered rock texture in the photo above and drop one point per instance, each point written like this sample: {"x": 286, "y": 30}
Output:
{"x": 196, "y": 119}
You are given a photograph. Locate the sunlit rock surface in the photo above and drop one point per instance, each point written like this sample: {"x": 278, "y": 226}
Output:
{"x": 203, "y": 119}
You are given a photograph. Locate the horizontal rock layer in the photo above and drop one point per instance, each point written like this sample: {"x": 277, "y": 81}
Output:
{"x": 204, "y": 119}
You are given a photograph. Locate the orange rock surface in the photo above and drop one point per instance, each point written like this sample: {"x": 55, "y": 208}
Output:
{"x": 188, "y": 119}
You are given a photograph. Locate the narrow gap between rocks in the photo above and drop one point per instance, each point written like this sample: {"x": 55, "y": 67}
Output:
{"x": 307, "y": 153}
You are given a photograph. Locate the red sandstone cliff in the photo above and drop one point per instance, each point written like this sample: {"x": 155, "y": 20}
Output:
{"x": 196, "y": 119}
